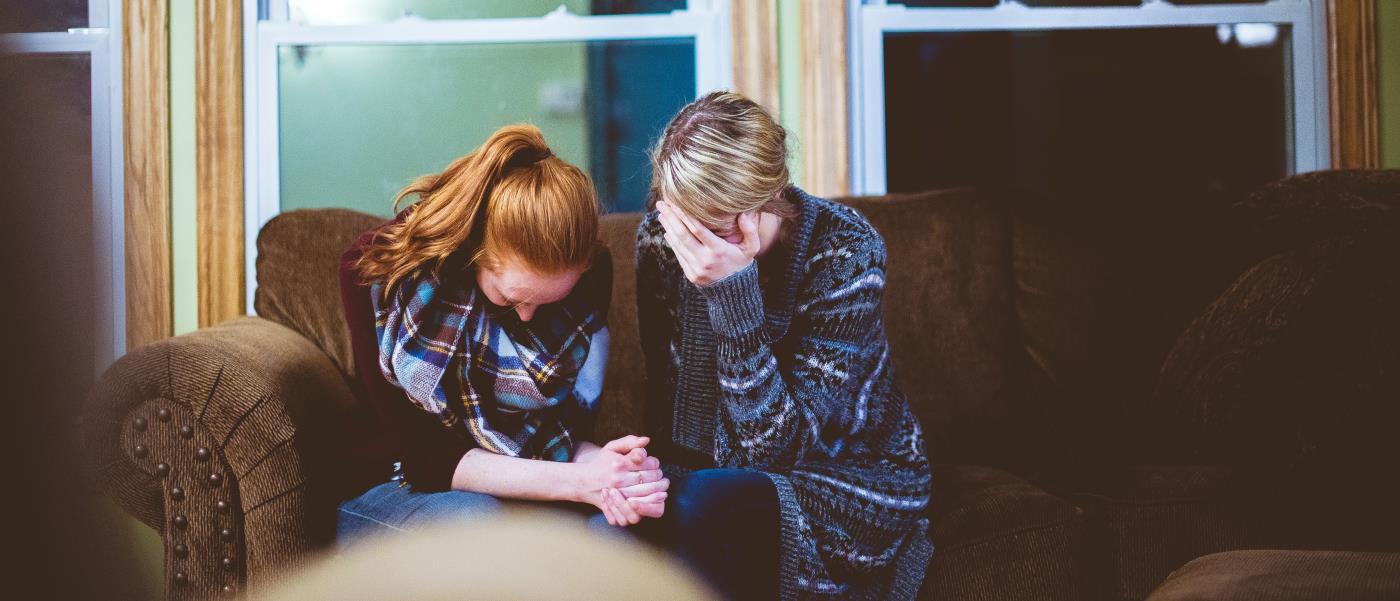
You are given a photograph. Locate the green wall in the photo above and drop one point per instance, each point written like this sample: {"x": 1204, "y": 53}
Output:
{"x": 1388, "y": 55}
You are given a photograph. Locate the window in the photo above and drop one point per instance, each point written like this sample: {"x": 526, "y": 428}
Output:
{"x": 348, "y": 101}
{"x": 60, "y": 66}
{"x": 1097, "y": 97}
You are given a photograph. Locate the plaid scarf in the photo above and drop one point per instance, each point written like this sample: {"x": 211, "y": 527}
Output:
{"x": 509, "y": 384}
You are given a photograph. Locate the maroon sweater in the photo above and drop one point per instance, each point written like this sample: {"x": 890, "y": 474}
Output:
{"x": 427, "y": 451}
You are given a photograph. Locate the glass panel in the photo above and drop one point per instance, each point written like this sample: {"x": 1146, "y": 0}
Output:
{"x": 1183, "y": 110}
{"x": 46, "y": 150}
{"x": 37, "y": 16}
{"x": 358, "y": 123}
{"x": 948, "y": 3}
{"x": 345, "y": 12}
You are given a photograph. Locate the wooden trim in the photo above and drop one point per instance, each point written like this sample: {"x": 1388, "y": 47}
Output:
{"x": 146, "y": 121}
{"x": 755, "y": 51}
{"x": 825, "y": 119}
{"x": 1352, "y": 77}
{"x": 219, "y": 159}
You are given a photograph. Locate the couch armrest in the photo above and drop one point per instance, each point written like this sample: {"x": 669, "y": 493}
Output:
{"x": 209, "y": 437}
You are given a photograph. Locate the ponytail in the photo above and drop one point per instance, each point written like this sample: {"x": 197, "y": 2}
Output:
{"x": 502, "y": 199}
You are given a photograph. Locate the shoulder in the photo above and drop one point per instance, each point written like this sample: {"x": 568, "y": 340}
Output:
{"x": 362, "y": 244}
{"x": 843, "y": 241}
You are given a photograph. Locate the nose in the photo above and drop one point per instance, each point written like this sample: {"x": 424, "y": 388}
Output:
{"x": 525, "y": 312}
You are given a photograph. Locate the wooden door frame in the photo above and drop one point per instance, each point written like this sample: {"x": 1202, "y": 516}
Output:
{"x": 146, "y": 153}
{"x": 1352, "y": 76}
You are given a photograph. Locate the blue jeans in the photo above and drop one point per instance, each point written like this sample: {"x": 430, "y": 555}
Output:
{"x": 724, "y": 524}
{"x": 389, "y": 508}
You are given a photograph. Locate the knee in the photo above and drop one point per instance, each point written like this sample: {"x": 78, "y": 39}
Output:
{"x": 708, "y": 500}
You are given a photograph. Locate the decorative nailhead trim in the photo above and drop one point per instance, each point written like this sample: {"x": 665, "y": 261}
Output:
{"x": 140, "y": 424}
{"x": 162, "y": 469}
{"x": 201, "y": 454}
{"x": 177, "y": 493}
{"x": 163, "y": 414}
{"x": 181, "y": 521}
{"x": 215, "y": 479}
{"x": 186, "y": 432}
{"x": 181, "y": 550}
{"x": 141, "y": 451}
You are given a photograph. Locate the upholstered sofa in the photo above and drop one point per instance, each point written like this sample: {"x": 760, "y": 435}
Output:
{"x": 1109, "y": 390}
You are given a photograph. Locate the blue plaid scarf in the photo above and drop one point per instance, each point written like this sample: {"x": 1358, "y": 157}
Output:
{"x": 508, "y": 384}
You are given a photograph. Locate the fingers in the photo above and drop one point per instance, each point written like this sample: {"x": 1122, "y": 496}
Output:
{"x": 653, "y": 498}
{"x": 636, "y": 456}
{"x": 702, "y": 234}
{"x": 627, "y": 514}
{"x": 651, "y": 510}
{"x": 624, "y": 445}
{"x": 646, "y": 488}
{"x": 606, "y": 507}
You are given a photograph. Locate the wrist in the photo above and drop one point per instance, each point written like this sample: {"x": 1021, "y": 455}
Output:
{"x": 574, "y": 484}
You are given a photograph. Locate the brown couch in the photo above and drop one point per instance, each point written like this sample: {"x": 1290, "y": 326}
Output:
{"x": 1108, "y": 392}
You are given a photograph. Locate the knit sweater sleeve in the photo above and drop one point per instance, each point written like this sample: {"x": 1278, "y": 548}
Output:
{"x": 777, "y": 398}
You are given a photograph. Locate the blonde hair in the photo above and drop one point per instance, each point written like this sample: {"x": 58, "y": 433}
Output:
{"x": 721, "y": 155}
{"x": 509, "y": 199}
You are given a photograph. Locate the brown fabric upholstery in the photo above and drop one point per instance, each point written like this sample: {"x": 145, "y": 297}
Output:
{"x": 262, "y": 399}
{"x": 1146, "y": 521}
{"x": 299, "y": 275}
{"x": 953, "y": 338}
{"x": 1291, "y": 375}
{"x": 1285, "y": 576}
{"x": 1101, "y": 293}
{"x": 623, "y": 389}
{"x": 997, "y": 537}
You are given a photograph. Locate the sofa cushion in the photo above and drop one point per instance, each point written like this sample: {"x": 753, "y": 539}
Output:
{"x": 950, "y": 324}
{"x": 1146, "y": 521}
{"x": 299, "y": 275}
{"x": 620, "y": 412}
{"x": 1285, "y": 576}
{"x": 1101, "y": 293}
{"x": 1290, "y": 377}
{"x": 1311, "y": 206}
{"x": 996, "y": 536}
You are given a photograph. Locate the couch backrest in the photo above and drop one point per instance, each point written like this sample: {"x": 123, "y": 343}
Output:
{"x": 299, "y": 275}
{"x": 1021, "y": 334}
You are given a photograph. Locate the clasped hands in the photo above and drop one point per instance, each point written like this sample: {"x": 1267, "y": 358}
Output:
{"x": 623, "y": 481}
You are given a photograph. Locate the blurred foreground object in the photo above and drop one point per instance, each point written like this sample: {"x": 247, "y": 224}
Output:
{"x": 517, "y": 556}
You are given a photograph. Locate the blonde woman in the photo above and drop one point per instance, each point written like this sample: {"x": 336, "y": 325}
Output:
{"x": 798, "y": 469}
{"x": 477, "y": 322}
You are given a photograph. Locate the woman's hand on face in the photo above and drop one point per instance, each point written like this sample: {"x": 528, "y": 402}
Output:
{"x": 623, "y": 482}
{"x": 704, "y": 257}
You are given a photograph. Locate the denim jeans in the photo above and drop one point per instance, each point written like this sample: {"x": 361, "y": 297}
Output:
{"x": 390, "y": 508}
{"x": 723, "y": 523}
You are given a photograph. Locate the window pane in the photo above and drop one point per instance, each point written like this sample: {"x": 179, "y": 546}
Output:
{"x": 344, "y": 12}
{"x": 1128, "y": 112}
{"x": 35, "y": 16}
{"x": 358, "y": 123}
{"x": 46, "y": 145}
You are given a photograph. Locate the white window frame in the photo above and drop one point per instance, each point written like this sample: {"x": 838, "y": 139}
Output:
{"x": 870, "y": 20}
{"x": 707, "y": 21}
{"x": 101, "y": 41}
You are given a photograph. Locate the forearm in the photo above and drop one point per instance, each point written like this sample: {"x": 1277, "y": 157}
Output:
{"x": 515, "y": 478}
{"x": 763, "y": 419}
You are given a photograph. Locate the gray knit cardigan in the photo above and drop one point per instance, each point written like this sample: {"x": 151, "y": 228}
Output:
{"x": 792, "y": 378}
